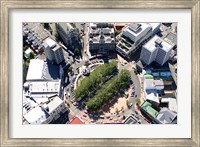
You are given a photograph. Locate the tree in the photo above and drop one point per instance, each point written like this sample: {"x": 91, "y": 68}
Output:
{"x": 31, "y": 56}
{"x": 77, "y": 52}
{"x": 70, "y": 69}
{"x": 46, "y": 26}
{"x": 138, "y": 102}
{"x": 124, "y": 117}
{"x": 87, "y": 63}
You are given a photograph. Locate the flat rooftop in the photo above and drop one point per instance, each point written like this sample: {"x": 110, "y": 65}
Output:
{"x": 136, "y": 28}
{"x": 44, "y": 89}
{"x": 52, "y": 44}
{"x": 35, "y": 70}
{"x": 54, "y": 103}
{"x": 151, "y": 44}
{"x": 172, "y": 37}
{"x": 36, "y": 116}
{"x": 147, "y": 107}
{"x": 38, "y": 29}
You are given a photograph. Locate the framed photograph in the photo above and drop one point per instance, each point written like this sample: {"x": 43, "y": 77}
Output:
{"x": 99, "y": 73}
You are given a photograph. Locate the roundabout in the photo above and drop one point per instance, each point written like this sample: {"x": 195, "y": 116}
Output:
{"x": 120, "y": 106}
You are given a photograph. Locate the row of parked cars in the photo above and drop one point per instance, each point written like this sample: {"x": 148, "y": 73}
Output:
{"x": 133, "y": 94}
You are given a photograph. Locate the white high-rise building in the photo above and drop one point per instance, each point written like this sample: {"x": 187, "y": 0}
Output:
{"x": 157, "y": 50}
{"x": 136, "y": 31}
{"x": 132, "y": 37}
{"x": 53, "y": 50}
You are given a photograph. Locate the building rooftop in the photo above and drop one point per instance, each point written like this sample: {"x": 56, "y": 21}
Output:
{"x": 36, "y": 116}
{"x": 149, "y": 84}
{"x": 147, "y": 107}
{"x": 152, "y": 95}
{"x": 54, "y": 103}
{"x": 172, "y": 103}
{"x": 171, "y": 38}
{"x": 52, "y": 44}
{"x": 38, "y": 29}
{"x": 155, "y": 42}
{"x": 43, "y": 89}
{"x": 76, "y": 120}
{"x": 165, "y": 116}
{"x": 136, "y": 28}
{"x": 131, "y": 119}
{"x": 154, "y": 25}
{"x": 35, "y": 65}
{"x": 99, "y": 34}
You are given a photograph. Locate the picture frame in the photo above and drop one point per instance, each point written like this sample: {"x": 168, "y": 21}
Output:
{"x": 4, "y": 71}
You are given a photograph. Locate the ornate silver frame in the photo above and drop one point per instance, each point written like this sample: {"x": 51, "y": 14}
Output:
{"x": 6, "y": 5}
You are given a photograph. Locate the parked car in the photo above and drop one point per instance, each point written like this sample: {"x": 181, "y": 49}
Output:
{"x": 130, "y": 105}
{"x": 133, "y": 62}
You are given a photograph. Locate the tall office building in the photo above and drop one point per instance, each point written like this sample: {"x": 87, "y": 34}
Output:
{"x": 157, "y": 50}
{"x": 53, "y": 51}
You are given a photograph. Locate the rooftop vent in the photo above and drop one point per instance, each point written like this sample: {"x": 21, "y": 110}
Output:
{"x": 158, "y": 41}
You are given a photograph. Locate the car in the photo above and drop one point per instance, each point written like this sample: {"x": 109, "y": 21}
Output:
{"x": 84, "y": 115}
{"x": 133, "y": 62}
{"x": 85, "y": 112}
{"x": 92, "y": 120}
{"x": 110, "y": 118}
{"x": 130, "y": 105}
{"x": 90, "y": 115}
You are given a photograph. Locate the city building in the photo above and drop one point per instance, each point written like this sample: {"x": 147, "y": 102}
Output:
{"x": 101, "y": 38}
{"x": 35, "y": 65}
{"x": 132, "y": 37}
{"x": 28, "y": 52}
{"x": 62, "y": 29}
{"x": 76, "y": 120}
{"x": 131, "y": 119}
{"x": 149, "y": 111}
{"x": 118, "y": 27}
{"x": 69, "y": 35}
{"x": 171, "y": 103}
{"x": 41, "y": 90}
{"x": 54, "y": 52}
{"x": 171, "y": 38}
{"x": 37, "y": 115}
{"x": 45, "y": 71}
{"x": 55, "y": 107}
{"x": 33, "y": 35}
{"x": 153, "y": 88}
{"x": 157, "y": 50}
{"x": 155, "y": 27}
{"x": 165, "y": 116}
{"x": 43, "y": 113}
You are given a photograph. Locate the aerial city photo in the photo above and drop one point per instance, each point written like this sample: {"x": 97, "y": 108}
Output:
{"x": 99, "y": 73}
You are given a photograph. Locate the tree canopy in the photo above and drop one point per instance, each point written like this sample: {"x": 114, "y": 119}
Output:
{"x": 109, "y": 90}
{"x": 99, "y": 76}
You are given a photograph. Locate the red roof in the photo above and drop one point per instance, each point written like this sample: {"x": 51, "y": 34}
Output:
{"x": 76, "y": 120}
